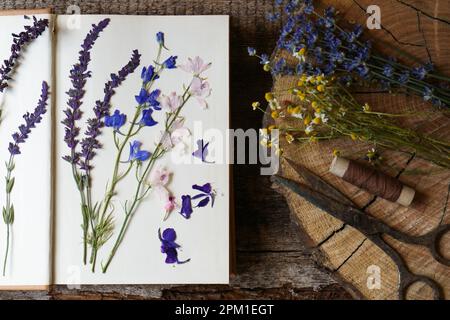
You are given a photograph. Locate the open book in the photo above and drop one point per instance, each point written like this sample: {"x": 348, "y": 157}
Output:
{"x": 134, "y": 189}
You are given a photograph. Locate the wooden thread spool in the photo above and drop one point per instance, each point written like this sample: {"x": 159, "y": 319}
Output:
{"x": 373, "y": 181}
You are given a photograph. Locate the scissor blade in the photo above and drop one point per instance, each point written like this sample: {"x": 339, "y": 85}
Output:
{"x": 331, "y": 206}
{"x": 317, "y": 183}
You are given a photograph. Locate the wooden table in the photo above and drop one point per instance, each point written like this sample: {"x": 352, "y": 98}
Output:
{"x": 272, "y": 262}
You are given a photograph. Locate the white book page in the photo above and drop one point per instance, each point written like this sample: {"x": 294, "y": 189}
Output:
{"x": 28, "y": 264}
{"x": 204, "y": 238}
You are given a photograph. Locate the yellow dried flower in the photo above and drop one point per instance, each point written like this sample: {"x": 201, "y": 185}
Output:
{"x": 266, "y": 67}
{"x": 256, "y": 105}
{"x": 314, "y": 104}
{"x": 313, "y": 139}
{"x": 307, "y": 120}
{"x": 269, "y": 96}
{"x": 289, "y": 138}
{"x": 317, "y": 120}
{"x": 321, "y": 88}
{"x": 301, "y": 95}
{"x": 275, "y": 114}
{"x": 366, "y": 107}
{"x": 354, "y": 136}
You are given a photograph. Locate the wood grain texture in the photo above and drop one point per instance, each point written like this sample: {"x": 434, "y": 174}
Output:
{"x": 420, "y": 28}
{"x": 272, "y": 261}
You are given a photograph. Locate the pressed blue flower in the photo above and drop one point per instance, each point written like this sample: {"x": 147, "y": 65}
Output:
{"x": 169, "y": 246}
{"x": 251, "y": 51}
{"x": 186, "y": 206}
{"x": 170, "y": 63}
{"x": 160, "y": 38}
{"x": 147, "y": 119}
{"x": 136, "y": 153}
{"x": 202, "y": 151}
{"x": 419, "y": 73}
{"x": 148, "y": 74}
{"x": 153, "y": 99}
{"x": 116, "y": 121}
{"x": 207, "y": 194}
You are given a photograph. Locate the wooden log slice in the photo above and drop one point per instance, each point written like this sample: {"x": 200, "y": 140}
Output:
{"x": 422, "y": 29}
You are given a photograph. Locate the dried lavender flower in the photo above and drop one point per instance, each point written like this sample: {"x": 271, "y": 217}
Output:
{"x": 102, "y": 109}
{"x": 19, "y": 42}
{"x": 78, "y": 75}
{"x": 31, "y": 120}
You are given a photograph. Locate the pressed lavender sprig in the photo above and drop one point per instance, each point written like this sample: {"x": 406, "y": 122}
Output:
{"x": 102, "y": 109}
{"x": 78, "y": 76}
{"x": 19, "y": 42}
{"x": 31, "y": 120}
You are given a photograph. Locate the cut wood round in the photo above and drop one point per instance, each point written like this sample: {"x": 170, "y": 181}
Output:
{"x": 421, "y": 29}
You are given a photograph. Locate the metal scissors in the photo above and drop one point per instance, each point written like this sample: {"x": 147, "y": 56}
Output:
{"x": 335, "y": 203}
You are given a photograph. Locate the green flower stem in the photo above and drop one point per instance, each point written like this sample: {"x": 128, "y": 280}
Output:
{"x": 138, "y": 197}
{"x": 8, "y": 210}
{"x": 115, "y": 176}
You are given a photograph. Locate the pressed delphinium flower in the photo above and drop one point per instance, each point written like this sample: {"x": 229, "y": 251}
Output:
{"x": 321, "y": 45}
{"x": 158, "y": 180}
{"x": 19, "y": 42}
{"x": 169, "y": 246}
{"x": 206, "y": 195}
{"x": 201, "y": 90}
{"x": 186, "y": 206}
{"x": 136, "y": 153}
{"x": 173, "y": 135}
{"x": 20, "y": 137}
{"x": 202, "y": 151}
{"x": 116, "y": 121}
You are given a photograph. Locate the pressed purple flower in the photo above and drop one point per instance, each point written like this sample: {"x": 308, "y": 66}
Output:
{"x": 136, "y": 153}
{"x": 149, "y": 74}
{"x": 160, "y": 38}
{"x": 19, "y": 42}
{"x": 147, "y": 119}
{"x": 202, "y": 151}
{"x": 170, "y": 63}
{"x": 101, "y": 110}
{"x": 116, "y": 121}
{"x": 78, "y": 76}
{"x": 207, "y": 194}
{"x": 169, "y": 246}
{"x": 186, "y": 206}
{"x": 150, "y": 99}
{"x": 31, "y": 120}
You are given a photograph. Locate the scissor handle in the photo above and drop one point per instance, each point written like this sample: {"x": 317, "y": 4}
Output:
{"x": 408, "y": 279}
{"x": 434, "y": 245}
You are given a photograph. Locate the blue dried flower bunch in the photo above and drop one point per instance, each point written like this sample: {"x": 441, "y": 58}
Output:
{"x": 20, "y": 137}
{"x": 322, "y": 46}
